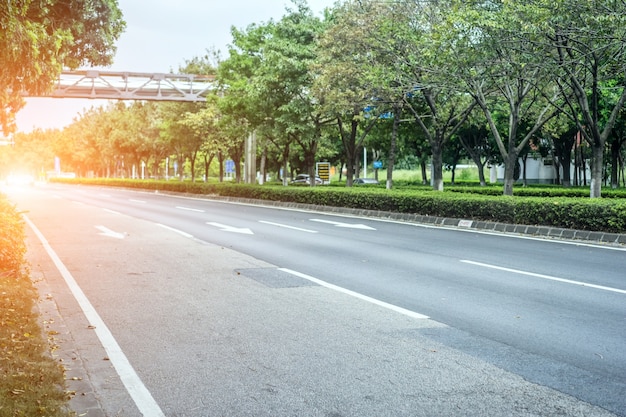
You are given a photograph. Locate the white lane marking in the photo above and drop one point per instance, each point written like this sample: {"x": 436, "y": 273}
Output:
{"x": 132, "y": 200}
{"x": 180, "y": 232}
{"x": 334, "y": 287}
{"x": 111, "y": 211}
{"x": 109, "y": 233}
{"x": 287, "y": 226}
{"x": 346, "y": 225}
{"x": 555, "y": 241}
{"x": 232, "y": 229}
{"x": 190, "y": 209}
{"x": 103, "y": 195}
{"x": 548, "y": 277}
{"x": 137, "y": 390}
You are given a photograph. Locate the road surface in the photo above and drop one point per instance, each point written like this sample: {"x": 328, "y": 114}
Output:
{"x": 233, "y": 309}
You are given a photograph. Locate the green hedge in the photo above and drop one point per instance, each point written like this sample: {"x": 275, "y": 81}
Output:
{"x": 607, "y": 215}
{"x": 12, "y": 246}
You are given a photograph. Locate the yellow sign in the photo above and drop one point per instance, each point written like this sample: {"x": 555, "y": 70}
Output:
{"x": 323, "y": 171}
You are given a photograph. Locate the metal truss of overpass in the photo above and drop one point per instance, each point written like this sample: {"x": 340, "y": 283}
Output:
{"x": 111, "y": 85}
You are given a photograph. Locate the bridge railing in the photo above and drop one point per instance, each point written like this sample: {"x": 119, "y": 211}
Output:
{"x": 114, "y": 85}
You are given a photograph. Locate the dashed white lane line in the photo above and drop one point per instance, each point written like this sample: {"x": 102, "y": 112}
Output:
{"x": 135, "y": 387}
{"x": 190, "y": 209}
{"x": 180, "y": 232}
{"x": 548, "y": 277}
{"x": 288, "y": 227}
{"x": 351, "y": 293}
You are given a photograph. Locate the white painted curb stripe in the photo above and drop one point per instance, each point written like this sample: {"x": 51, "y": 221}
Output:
{"x": 548, "y": 277}
{"x": 137, "y": 390}
{"x": 383, "y": 304}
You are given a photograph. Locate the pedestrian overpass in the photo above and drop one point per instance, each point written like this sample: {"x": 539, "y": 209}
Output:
{"x": 113, "y": 85}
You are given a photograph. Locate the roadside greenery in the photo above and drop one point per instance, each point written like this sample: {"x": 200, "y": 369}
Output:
{"x": 40, "y": 38}
{"x": 409, "y": 84}
{"x": 543, "y": 206}
{"x": 31, "y": 382}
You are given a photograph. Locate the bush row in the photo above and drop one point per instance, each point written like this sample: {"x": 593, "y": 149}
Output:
{"x": 607, "y": 215}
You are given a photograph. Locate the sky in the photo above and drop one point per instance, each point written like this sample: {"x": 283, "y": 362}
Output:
{"x": 160, "y": 36}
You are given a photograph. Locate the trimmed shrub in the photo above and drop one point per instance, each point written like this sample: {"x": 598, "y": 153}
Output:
{"x": 548, "y": 206}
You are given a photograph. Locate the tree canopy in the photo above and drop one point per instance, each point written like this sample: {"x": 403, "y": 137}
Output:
{"x": 412, "y": 81}
{"x": 40, "y": 38}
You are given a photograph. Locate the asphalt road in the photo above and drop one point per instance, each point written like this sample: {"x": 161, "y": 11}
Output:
{"x": 517, "y": 326}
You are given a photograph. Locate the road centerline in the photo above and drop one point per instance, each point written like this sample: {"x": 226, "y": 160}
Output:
{"x": 548, "y": 277}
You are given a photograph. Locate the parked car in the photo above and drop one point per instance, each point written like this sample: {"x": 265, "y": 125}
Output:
{"x": 304, "y": 179}
{"x": 366, "y": 181}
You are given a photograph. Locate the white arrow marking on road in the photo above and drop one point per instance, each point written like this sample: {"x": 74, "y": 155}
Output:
{"x": 288, "y": 227}
{"x": 346, "y": 225}
{"x": 226, "y": 228}
{"x": 109, "y": 232}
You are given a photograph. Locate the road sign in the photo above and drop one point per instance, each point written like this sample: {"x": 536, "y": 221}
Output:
{"x": 230, "y": 166}
{"x": 323, "y": 171}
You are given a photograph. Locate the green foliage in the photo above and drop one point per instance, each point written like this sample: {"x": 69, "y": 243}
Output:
{"x": 548, "y": 206}
{"x": 12, "y": 247}
{"x": 39, "y": 38}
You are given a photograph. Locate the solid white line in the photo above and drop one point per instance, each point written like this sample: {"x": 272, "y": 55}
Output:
{"x": 288, "y": 227}
{"x": 548, "y": 277}
{"x": 190, "y": 209}
{"x": 137, "y": 390}
{"x": 383, "y": 304}
{"x": 136, "y": 201}
{"x": 180, "y": 232}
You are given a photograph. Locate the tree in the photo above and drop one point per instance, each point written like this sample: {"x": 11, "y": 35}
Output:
{"x": 346, "y": 83}
{"x": 476, "y": 141}
{"x": 422, "y": 67}
{"x": 500, "y": 61}
{"x": 588, "y": 46}
{"x": 285, "y": 79}
{"x": 39, "y": 38}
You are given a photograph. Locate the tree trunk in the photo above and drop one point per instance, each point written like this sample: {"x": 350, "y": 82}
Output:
{"x": 481, "y": 173}
{"x": 392, "y": 149}
{"x": 263, "y": 168}
{"x": 220, "y": 159}
{"x": 616, "y": 146}
{"x": 509, "y": 172}
{"x": 207, "y": 164}
{"x": 597, "y": 168}
{"x": 424, "y": 172}
{"x": 437, "y": 165}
